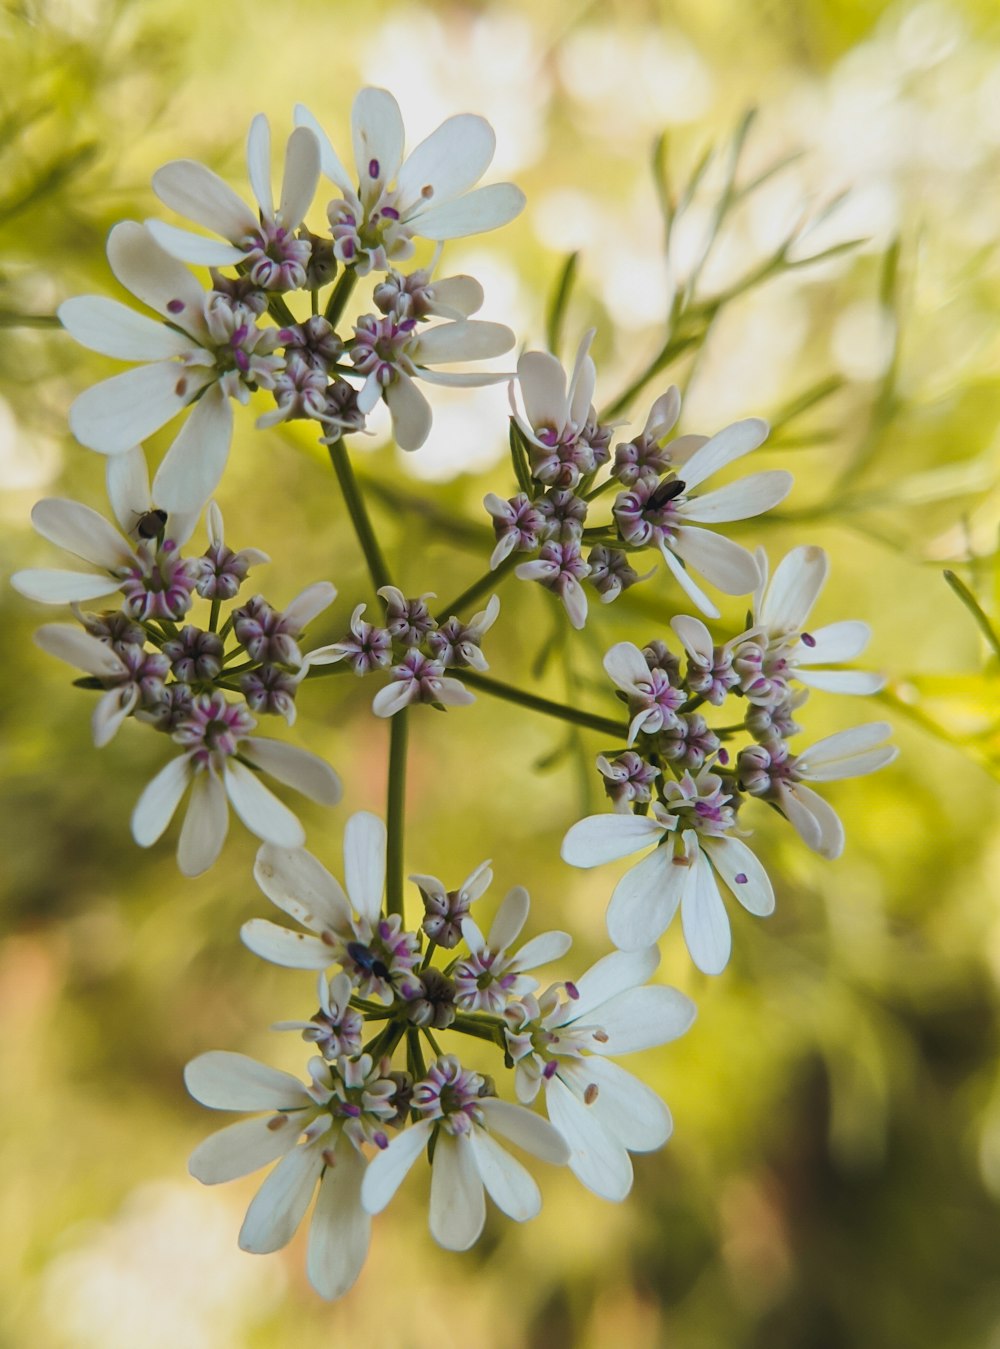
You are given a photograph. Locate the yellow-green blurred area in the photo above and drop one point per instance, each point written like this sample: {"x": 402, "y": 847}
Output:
{"x": 833, "y": 1175}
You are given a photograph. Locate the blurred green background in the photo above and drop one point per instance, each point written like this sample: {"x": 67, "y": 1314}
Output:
{"x": 835, "y": 1167}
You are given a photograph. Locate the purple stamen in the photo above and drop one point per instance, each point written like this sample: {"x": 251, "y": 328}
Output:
{"x": 242, "y": 360}
{"x": 572, "y": 990}
{"x": 353, "y": 1110}
{"x": 381, "y": 1141}
{"x": 740, "y": 878}
{"x": 389, "y": 212}
{"x": 808, "y": 639}
{"x": 373, "y": 168}
{"x": 175, "y": 306}
{"x": 550, "y": 1069}
{"x": 723, "y": 757}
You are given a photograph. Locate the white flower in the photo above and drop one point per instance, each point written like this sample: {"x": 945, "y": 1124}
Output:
{"x": 263, "y": 243}
{"x": 391, "y": 351}
{"x": 665, "y": 514}
{"x": 694, "y": 850}
{"x": 555, "y": 414}
{"x": 445, "y": 909}
{"x": 427, "y": 195}
{"x": 213, "y": 733}
{"x": 419, "y": 679}
{"x": 85, "y": 534}
{"x": 372, "y": 949}
{"x": 602, "y": 1111}
{"x": 462, "y": 1122}
{"x": 779, "y": 648}
{"x": 652, "y": 699}
{"x": 316, "y": 1131}
{"x": 207, "y": 350}
{"x": 492, "y": 973}
{"x": 773, "y": 772}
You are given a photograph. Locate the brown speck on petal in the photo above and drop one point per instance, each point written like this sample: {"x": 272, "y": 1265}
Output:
{"x": 277, "y": 1122}
{"x": 326, "y": 937}
{"x": 181, "y": 387}
{"x": 590, "y": 1095}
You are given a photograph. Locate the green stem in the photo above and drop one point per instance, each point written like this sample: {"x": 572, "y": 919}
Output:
{"x": 975, "y": 609}
{"x": 544, "y": 705}
{"x": 358, "y": 512}
{"x": 395, "y": 810}
{"x": 213, "y": 620}
{"x": 341, "y": 294}
{"x": 480, "y": 587}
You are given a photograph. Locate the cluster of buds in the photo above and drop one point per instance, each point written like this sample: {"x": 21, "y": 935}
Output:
{"x": 415, "y": 649}
{"x": 203, "y": 685}
{"x": 559, "y": 447}
{"x": 381, "y": 1090}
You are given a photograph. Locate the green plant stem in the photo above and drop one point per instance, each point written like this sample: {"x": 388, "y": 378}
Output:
{"x": 975, "y": 609}
{"x": 341, "y": 294}
{"x": 358, "y": 512}
{"x": 480, "y": 587}
{"x": 395, "y": 811}
{"x": 548, "y": 708}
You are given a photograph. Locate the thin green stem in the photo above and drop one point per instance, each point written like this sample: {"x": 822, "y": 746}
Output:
{"x": 213, "y": 618}
{"x": 472, "y": 593}
{"x": 341, "y": 294}
{"x": 975, "y": 609}
{"x": 395, "y": 811}
{"x": 358, "y": 512}
{"x": 548, "y": 708}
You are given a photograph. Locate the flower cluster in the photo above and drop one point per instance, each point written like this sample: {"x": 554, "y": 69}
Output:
{"x": 415, "y": 649}
{"x": 360, "y": 1124}
{"x": 154, "y": 665}
{"x": 558, "y": 448}
{"x": 677, "y": 786}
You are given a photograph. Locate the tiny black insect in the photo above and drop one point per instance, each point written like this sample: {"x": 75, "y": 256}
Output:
{"x": 371, "y": 964}
{"x": 667, "y": 490}
{"x": 150, "y": 523}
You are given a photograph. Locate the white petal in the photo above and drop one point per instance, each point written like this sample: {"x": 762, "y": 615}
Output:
{"x": 510, "y": 919}
{"x": 727, "y": 565}
{"x": 225, "y": 1081}
{"x": 78, "y": 648}
{"x": 388, "y": 1169}
{"x": 194, "y": 464}
{"x": 244, "y": 1147}
{"x": 329, "y": 159}
{"x": 310, "y": 602}
{"x": 280, "y": 1204}
{"x": 740, "y": 500}
{"x": 260, "y": 810}
{"x": 611, "y": 975}
{"x": 827, "y": 837}
{"x": 467, "y": 340}
{"x": 377, "y": 132}
{"x": 626, "y": 666}
{"x": 574, "y": 600}
{"x": 844, "y": 746}
{"x": 508, "y": 1184}
{"x": 157, "y": 279}
{"x": 282, "y": 946}
{"x": 582, "y": 381}
{"x": 526, "y": 1129}
{"x": 664, "y": 413}
{"x": 49, "y": 586}
{"x": 116, "y": 414}
{"x": 458, "y": 1205}
{"x": 797, "y": 580}
{"x": 393, "y": 698}
{"x": 487, "y": 208}
{"x": 724, "y": 448}
{"x": 604, "y": 838}
{"x": 688, "y": 585}
{"x": 859, "y": 766}
{"x": 259, "y": 164}
{"x": 341, "y": 1230}
{"x": 626, "y": 1108}
{"x": 111, "y": 710}
{"x": 127, "y": 480}
{"x": 641, "y": 1018}
{"x": 834, "y": 642}
{"x": 301, "y": 176}
{"x": 543, "y": 388}
{"x": 115, "y": 330}
{"x": 453, "y": 693}
{"x": 364, "y": 863}
{"x": 198, "y": 194}
{"x": 206, "y": 823}
{"x": 695, "y": 637}
{"x": 457, "y": 296}
{"x": 411, "y": 413}
{"x": 731, "y": 859}
{"x": 194, "y": 248}
{"x": 597, "y": 1159}
{"x": 298, "y": 768}
{"x": 645, "y": 900}
{"x": 542, "y": 950}
{"x": 155, "y": 808}
{"x": 449, "y": 161}
{"x": 301, "y": 886}
{"x": 704, "y": 918}
{"x": 842, "y": 681}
